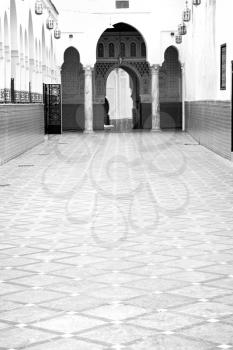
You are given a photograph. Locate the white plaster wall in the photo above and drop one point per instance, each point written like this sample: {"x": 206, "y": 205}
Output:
{"x": 21, "y": 50}
{"x": 155, "y": 19}
{"x": 88, "y": 19}
{"x": 210, "y": 27}
{"x": 224, "y": 30}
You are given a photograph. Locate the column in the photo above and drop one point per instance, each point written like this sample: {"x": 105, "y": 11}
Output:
{"x": 88, "y": 100}
{"x": 58, "y": 74}
{"x": 183, "y": 96}
{"x": 22, "y": 77}
{"x": 27, "y": 79}
{"x": 117, "y": 95}
{"x": 31, "y": 78}
{"x": 36, "y": 88}
{"x": 40, "y": 82}
{"x": 155, "y": 97}
{"x": 2, "y": 72}
{"x": 7, "y": 75}
{"x": 44, "y": 73}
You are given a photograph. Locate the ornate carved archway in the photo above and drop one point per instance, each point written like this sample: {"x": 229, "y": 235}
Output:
{"x": 122, "y": 47}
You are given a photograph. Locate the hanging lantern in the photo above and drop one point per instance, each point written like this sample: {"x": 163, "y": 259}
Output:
{"x": 50, "y": 22}
{"x": 57, "y": 32}
{"x": 186, "y": 13}
{"x": 182, "y": 29}
{"x": 39, "y": 7}
{"x": 196, "y": 2}
{"x": 178, "y": 39}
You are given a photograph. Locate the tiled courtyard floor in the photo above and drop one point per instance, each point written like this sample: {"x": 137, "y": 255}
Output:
{"x": 116, "y": 241}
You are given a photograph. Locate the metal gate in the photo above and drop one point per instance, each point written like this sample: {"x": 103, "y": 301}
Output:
{"x": 53, "y": 109}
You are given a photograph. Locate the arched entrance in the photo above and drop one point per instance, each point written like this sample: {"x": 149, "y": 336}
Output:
{"x": 123, "y": 47}
{"x": 72, "y": 79}
{"x": 170, "y": 82}
{"x": 122, "y": 93}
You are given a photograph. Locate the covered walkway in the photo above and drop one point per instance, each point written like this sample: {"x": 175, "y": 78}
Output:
{"x": 116, "y": 241}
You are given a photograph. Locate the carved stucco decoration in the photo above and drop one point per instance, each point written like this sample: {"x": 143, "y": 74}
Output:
{"x": 140, "y": 68}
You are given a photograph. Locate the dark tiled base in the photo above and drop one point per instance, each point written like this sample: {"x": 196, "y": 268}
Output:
{"x": 209, "y": 122}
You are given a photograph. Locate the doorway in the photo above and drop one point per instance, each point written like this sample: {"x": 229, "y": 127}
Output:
{"x": 170, "y": 87}
{"x": 123, "y": 47}
{"x": 122, "y": 96}
{"x": 72, "y": 79}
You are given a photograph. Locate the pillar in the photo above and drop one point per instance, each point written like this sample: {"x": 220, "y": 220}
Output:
{"x": 2, "y": 94}
{"x": 27, "y": 79}
{"x": 44, "y": 73}
{"x": 183, "y": 96}
{"x": 40, "y": 78}
{"x": 88, "y": 100}
{"x": 155, "y": 97}
{"x": 22, "y": 77}
{"x": 32, "y": 73}
{"x": 15, "y": 68}
{"x": 117, "y": 94}
{"x": 7, "y": 75}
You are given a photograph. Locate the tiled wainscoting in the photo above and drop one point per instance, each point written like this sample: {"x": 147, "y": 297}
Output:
{"x": 21, "y": 128}
{"x": 171, "y": 115}
{"x": 209, "y": 122}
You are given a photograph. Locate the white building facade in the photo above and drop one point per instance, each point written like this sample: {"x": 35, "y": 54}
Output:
{"x": 27, "y": 60}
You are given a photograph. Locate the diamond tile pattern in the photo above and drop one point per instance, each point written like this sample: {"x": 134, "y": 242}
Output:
{"x": 116, "y": 241}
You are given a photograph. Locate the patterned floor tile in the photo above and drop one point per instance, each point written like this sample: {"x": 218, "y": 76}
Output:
{"x": 207, "y": 309}
{"x": 219, "y": 269}
{"x": 4, "y": 325}
{"x": 116, "y": 312}
{"x": 7, "y": 305}
{"x": 157, "y": 284}
{"x": 13, "y": 274}
{"x": 41, "y": 280}
{"x": 192, "y": 276}
{"x": 66, "y": 344}
{"x": 154, "y": 270}
{"x": 69, "y": 324}
{"x": 33, "y": 296}
{"x": 200, "y": 291}
{"x": 117, "y": 334}
{"x": 166, "y": 321}
{"x": 7, "y": 288}
{"x": 229, "y": 319}
{"x": 115, "y": 293}
{"x": 228, "y": 299}
{"x": 22, "y": 337}
{"x": 117, "y": 278}
{"x": 17, "y": 261}
{"x": 72, "y": 286}
{"x": 43, "y": 267}
{"x": 222, "y": 283}
{"x": 157, "y": 301}
{"x": 169, "y": 342}
{"x": 74, "y": 303}
{"x": 121, "y": 265}
{"x": 124, "y": 240}
{"x": 220, "y": 333}
{"x": 81, "y": 260}
{"x": 82, "y": 272}
{"x": 26, "y": 314}
{"x": 188, "y": 263}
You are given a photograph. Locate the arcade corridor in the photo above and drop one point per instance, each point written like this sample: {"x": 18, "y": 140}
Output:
{"x": 116, "y": 241}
